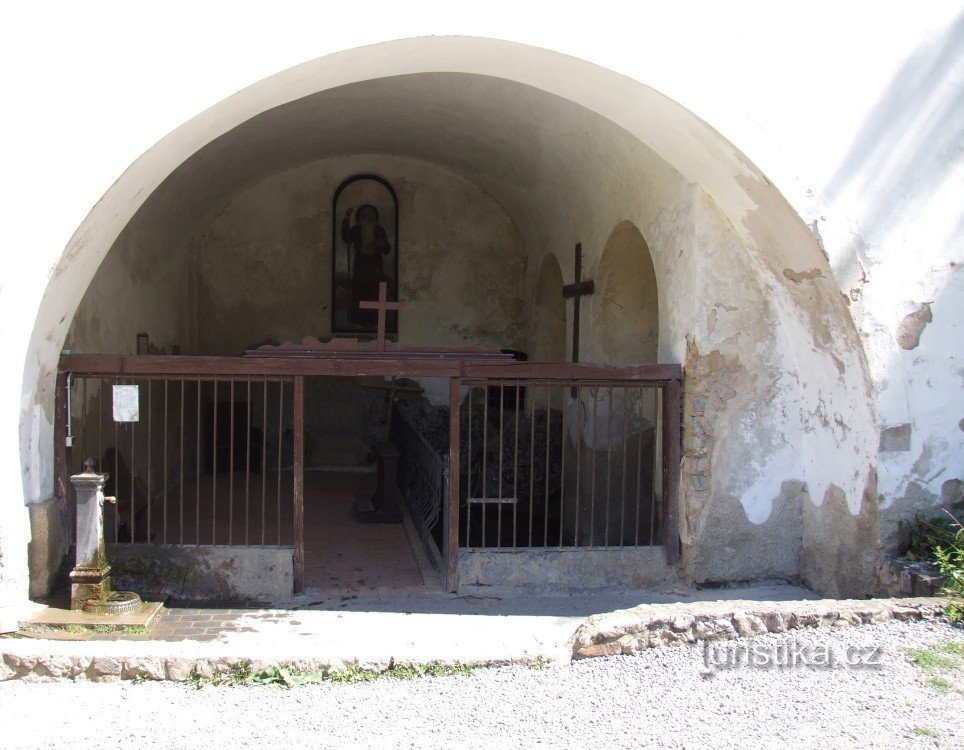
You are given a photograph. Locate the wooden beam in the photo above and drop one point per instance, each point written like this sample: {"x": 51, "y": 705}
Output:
{"x": 575, "y": 291}
{"x": 450, "y": 541}
{"x": 299, "y": 483}
{"x": 62, "y": 453}
{"x": 111, "y": 364}
{"x": 287, "y": 366}
{"x": 672, "y": 419}
{"x": 581, "y": 371}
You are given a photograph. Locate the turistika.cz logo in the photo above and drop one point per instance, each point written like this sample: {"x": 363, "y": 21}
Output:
{"x": 793, "y": 654}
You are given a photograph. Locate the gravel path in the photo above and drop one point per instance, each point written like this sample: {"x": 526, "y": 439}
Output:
{"x": 662, "y": 698}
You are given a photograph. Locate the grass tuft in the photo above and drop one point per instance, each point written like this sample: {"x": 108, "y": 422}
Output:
{"x": 952, "y": 647}
{"x": 285, "y": 676}
{"x": 942, "y": 685}
{"x": 930, "y": 659}
{"x": 943, "y": 662}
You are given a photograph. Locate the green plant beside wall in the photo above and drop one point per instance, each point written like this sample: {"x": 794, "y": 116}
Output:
{"x": 950, "y": 561}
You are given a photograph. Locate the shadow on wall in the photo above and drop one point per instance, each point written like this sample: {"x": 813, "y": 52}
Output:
{"x": 895, "y": 174}
{"x": 916, "y": 128}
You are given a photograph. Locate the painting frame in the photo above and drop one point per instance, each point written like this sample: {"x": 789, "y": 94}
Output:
{"x": 354, "y": 272}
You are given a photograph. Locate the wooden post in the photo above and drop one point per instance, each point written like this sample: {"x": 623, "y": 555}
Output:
{"x": 672, "y": 418}
{"x": 62, "y": 486}
{"x": 578, "y": 289}
{"x": 450, "y": 541}
{"x": 299, "y": 482}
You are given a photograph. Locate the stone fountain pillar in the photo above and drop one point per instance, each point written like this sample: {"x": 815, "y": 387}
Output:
{"x": 90, "y": 579}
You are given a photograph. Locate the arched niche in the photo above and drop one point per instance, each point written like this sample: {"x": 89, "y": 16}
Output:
{"x": 625, "y": 317}
{"x": 364, "y": 241}
{"x": 567, "y": 149}
{"x": 547, "y": 328}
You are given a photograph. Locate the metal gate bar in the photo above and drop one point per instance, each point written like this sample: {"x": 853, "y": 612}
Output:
{"x": 161, "y": 465}
{"x": 618, "y": 490}
{"x": 632, "y": 483}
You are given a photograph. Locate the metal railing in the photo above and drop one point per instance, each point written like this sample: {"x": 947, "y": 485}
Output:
{"x": 204, "y": 464}
{"x": 561, "y": 464}
{"x": 554, "y": 469}
{"x": 423, "y": 481}
{"x": 564, "y": 456}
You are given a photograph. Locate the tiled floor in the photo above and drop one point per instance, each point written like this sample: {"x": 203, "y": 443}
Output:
{"x": 195, "y": 624}
{"x": 347, "y": 558}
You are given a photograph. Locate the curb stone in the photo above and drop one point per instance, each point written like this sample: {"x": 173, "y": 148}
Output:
{"x": 630, "y": 631}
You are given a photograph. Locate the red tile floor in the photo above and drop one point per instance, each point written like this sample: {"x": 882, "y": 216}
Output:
{"x": 347, "y": 558}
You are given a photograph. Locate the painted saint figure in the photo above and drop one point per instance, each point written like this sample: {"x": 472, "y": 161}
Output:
{"x": 367, "y": 243}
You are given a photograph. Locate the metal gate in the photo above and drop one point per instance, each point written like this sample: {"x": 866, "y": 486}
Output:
{"x": 539, "y": 455}
{"x": 207, "y": 460}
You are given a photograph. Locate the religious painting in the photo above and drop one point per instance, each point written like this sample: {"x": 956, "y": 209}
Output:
{"x": 365, "y": 253}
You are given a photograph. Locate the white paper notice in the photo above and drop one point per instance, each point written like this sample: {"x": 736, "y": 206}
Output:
{"x": 126, "y": 403}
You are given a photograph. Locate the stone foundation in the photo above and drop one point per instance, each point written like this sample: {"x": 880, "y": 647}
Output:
{"x": 223, "y": 574}
{"x": 88, "y": 584}
{"x": 898, "y": 576}
{"x": 567, "y": 569}
{"x": 630, "y": 631}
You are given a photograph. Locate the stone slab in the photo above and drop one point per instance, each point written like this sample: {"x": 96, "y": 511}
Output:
{"x": 56, "y": 617}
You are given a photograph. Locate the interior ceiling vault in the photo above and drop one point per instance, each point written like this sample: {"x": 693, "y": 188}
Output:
{"x": 538, "y": 155}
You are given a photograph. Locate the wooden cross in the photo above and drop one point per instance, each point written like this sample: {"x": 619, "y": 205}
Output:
{"x": 382, "y": 305}
{"x": 576, "y": 290}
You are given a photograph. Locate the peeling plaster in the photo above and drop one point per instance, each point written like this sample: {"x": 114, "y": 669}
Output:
{"x": 895, "y": 438}
{"x": 840, "y": 551}
{"x": 798, "y": 277}
{"x": 952, "y": 492}
{"x": 912, "y": 326}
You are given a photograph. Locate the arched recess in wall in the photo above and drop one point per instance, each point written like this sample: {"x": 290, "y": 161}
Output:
{"x": 363, "y": 203}
{"x": 625, "y": 326}
{"x": 625, "y": 319}
{"x": 547, "y": 331}
{"x": 548, "y": 137}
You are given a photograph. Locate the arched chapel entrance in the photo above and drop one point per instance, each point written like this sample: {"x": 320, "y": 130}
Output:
{"x": 503, "y": 158}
